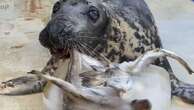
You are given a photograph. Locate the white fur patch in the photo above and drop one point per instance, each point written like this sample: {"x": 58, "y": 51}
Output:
{"x": 54, "y": 100}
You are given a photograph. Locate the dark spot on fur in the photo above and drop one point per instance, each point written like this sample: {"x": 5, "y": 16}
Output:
{"x": 110, "y": 46}
{"x": 146, "y": 42}
{"x": 139, "y": 50}
{"x": 136, "y": 34}
{"x": 117, "y": 35}
{"x": 124, "y": 35}
{"x": 131, "y": 44}
{"x": 122, "y": 46}
{"x": 101, "y": 48}
{"x": 143, "y": 37}
{"x": 130, "y": 40}
{"x": 125, "y": 58}
{"x": 112, "y": 55}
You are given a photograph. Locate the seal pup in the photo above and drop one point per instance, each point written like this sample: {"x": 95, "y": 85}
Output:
{"x": 119, "y": 86}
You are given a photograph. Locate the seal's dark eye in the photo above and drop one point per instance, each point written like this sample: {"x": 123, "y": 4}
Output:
{"x": 93, "y": 14}
{"x": 56, "y": 7}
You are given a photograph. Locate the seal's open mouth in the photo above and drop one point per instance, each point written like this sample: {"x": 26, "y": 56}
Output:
{"x": 61, "y": 40}
{"x": 60, "y": 52}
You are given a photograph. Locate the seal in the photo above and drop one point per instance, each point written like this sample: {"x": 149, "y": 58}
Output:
{"x": 116, "y": 30}
{"x": 107, "y": 30}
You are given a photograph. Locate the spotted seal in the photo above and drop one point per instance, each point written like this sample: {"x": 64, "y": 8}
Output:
{"x": 108, "y": 30}
{"x": 117, "y": 30}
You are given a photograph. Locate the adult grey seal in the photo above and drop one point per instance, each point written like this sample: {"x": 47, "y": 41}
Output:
{"x": 108, "y": 30}
{"x": 119, "y": 30}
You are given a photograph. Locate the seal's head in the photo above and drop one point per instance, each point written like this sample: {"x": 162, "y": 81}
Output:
{"x": 75, "y": 24}
{"x": 117, "y": 30}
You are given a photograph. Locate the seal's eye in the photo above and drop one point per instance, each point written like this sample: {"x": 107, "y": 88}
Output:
{"x": 93, "y": 14}
{"x": 56, "y": 7}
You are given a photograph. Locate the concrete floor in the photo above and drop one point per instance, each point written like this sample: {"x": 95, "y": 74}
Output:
{"x": 21, "y": 52}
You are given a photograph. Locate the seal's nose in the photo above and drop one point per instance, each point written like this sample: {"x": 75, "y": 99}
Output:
{"x": 43, "y": 38}
{"x": 60, "y": 29}
{"x": 56, "y": 34}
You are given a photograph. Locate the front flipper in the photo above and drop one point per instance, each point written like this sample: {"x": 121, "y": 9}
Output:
{"x": 28, "y": 84}
{"x": 31, "y": 83}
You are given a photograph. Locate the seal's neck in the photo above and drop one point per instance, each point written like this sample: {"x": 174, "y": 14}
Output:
{"x": 118, "y": 47}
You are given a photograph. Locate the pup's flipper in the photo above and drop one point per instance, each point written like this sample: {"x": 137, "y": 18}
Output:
{"x": 28, "y": 84}
{"x": 32, "y": 83}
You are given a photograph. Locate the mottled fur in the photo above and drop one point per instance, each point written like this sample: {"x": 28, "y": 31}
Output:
{"x": 125, "y": 30}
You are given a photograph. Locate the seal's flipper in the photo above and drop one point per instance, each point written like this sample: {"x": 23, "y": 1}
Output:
{"x": 179, "y": 88}
{"x": 184, "y": 91}
{"x": 23, "y": 85}
{"x": 149, "y": 57}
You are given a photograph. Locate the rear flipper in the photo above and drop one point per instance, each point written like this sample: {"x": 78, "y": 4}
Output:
{"x": 180, "y": 89}
{"x": 148, "y": 58}
{"x": 28, "y": 84}
{"x": 183, "y": 90}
